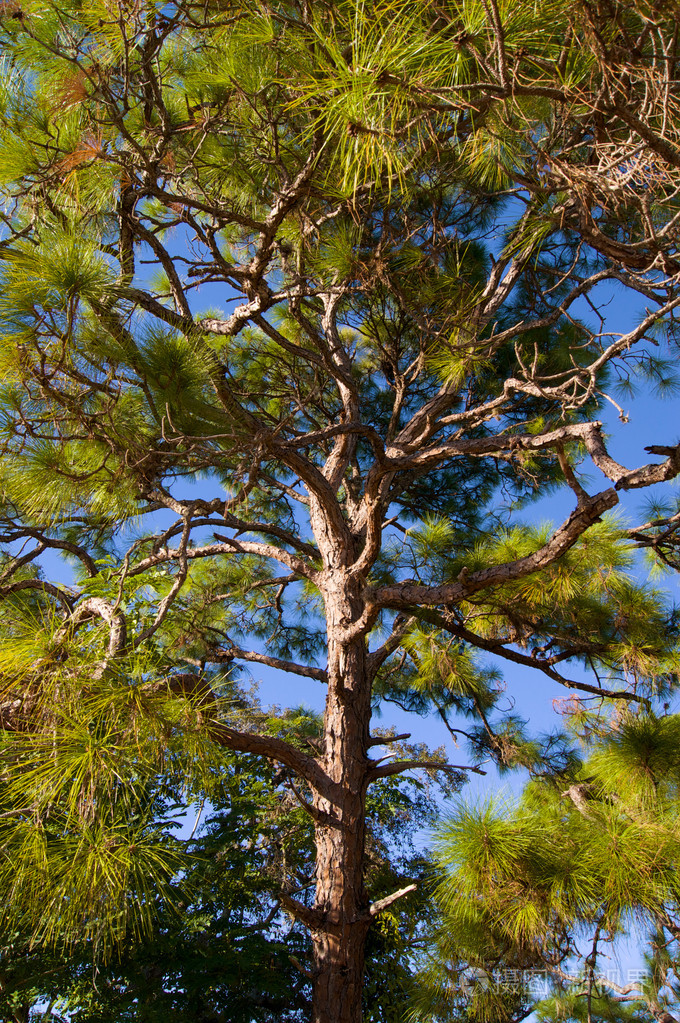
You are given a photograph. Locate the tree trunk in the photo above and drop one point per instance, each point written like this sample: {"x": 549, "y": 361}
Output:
{"x": 339, "y": 941}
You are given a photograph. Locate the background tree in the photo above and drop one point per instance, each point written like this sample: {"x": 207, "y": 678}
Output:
{"x": 220, "y": 947}
{"x": 413, "y": 212}
{"x": 544, "y": 888}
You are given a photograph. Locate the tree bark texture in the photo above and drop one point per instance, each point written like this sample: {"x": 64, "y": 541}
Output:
{"x": 341, "y": 899}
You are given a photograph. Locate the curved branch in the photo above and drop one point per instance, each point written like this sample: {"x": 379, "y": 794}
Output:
{"x": 39, "y": 584}
{"x": 97, "y": 607}
{"x": 228, "y": 546}
{"x": 19, "y": 562}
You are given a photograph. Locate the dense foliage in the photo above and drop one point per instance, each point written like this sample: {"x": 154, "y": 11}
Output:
{"x": 220, "y": 947}
{"x": 536, "y": 894}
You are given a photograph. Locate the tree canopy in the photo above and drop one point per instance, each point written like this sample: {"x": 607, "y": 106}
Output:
{"x": 301, "y": 304}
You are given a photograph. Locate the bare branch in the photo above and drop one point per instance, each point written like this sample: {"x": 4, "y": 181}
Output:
{"x": 381, "y": 904}
{"x": 399, "y": 766}
{"x": 238, "y": 654}
{"x": 227, "y": 546}
{"x": 383, "y": 740}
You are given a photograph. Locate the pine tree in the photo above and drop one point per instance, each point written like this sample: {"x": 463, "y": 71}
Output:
{"x": 406, "y": 215}
{"x": 544, "y": 888}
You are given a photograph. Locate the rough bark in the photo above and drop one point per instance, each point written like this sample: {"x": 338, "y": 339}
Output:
{"x": 341, "y": 900}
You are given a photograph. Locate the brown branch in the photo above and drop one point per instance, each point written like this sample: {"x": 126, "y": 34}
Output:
{"x": 292, "y": 667}
{"x": 270, "y": 529}
{"x": 237, "y": 320}
{"x": 495, "y": 18}
{"x": 266, "y": 550}
{"x": 647, "y": 475}
{"x": 273, "y": 749}
{"x": 312, "y": 918}
{"x": 399, "y": 630}
{"x": 19, "y": 562}
{"x": 178, "y": 583}
{"x": 151, "y": 305}
{"x": 405, "y": 595}
{"x": 664, "y": 149}
{"x": 39, "y": 584}
{"x": 309, "y": 974}
{"x": 542, "y": 665}
{"x": 320, "y": 816}
{"x": 165, "y": 260}
{"x": 219, "y": 507}
{"x": 588, "y": 433}
{"x": 399, "y": 766}
{"x": 383, "y": 740}
{"x": 63, "y": 545}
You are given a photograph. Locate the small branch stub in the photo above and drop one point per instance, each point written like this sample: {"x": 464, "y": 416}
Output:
{"x": 382, "y": 904}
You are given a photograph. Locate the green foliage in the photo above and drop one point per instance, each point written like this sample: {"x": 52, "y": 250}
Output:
{"x": 582, "y": 857}
{"x": 411, "y": 215}
{"x": 220, "y": 942}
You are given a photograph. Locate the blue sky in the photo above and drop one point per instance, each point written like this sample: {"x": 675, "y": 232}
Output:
{"x": 650, "y": 420}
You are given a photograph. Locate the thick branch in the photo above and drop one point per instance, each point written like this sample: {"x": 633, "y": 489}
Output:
{"x": 313, "y": 919}
{"x": 399, "y": 766}
{"x": 405, "y": 595}
{"x": 220, "y": 507}
{"x": 273, "y": 749}
{"x": 162, "y": 312}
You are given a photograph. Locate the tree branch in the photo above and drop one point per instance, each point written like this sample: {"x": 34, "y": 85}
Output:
{"x": 399, "y": 766}
{"x": 273, "y": 749}
{"x": 39, "y": 584}
{"x": 544, "y": 666}
{"x": 97, "y": 607}
{"x": 380, "y": 904}
{"x": 405, "y": 595}
{"x": 313, "y": 919}
{"x": 292, "y": 667}
{"x": 228, "y": 546}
